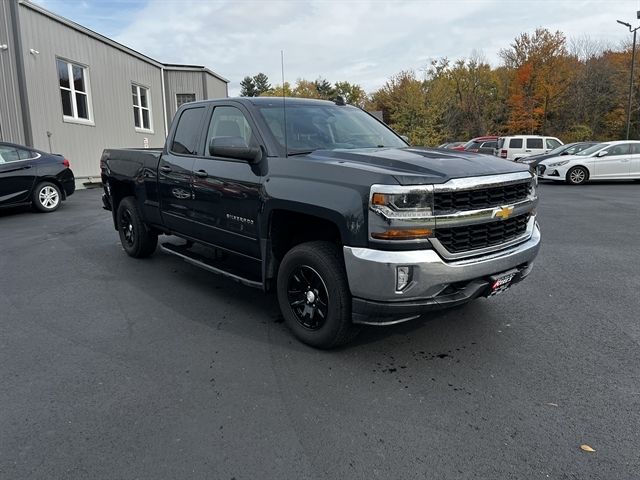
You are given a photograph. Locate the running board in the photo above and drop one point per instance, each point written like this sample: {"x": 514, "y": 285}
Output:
{"x": 206, "y": 263}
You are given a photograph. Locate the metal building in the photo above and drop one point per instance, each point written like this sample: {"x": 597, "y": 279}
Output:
{"x": 66, "y": 89}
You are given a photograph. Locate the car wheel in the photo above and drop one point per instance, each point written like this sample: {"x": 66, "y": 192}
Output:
{"x": 314, "y": 296}
{"x": 137, "y": 240}
{"x": 577, "y": 176}
{"x": 47, "y": 197}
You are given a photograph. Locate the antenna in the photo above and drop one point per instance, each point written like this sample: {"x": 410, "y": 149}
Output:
{"x": 284, "y": 105}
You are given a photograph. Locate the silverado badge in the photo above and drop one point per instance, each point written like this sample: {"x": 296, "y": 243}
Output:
{"x": 503, "y": 212}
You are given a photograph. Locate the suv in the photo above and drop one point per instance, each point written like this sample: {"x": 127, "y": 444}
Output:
{"x": 519, "y": 146}
{"x": 482, "y": 145}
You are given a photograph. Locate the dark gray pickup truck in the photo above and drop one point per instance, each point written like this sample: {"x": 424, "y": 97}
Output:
{"x": 330, "y": 207}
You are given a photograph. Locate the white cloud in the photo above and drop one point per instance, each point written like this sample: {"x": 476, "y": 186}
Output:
{"x": 364, "y": 41}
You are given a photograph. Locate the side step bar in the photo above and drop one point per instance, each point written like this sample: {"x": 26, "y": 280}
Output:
{"x": 206, "y": 263}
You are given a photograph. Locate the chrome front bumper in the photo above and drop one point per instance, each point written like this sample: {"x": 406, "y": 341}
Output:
{"x": 372, "y": 279}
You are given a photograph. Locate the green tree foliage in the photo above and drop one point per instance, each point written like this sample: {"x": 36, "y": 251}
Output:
{"x": 248, "y": 87}
{"x": 262, "y": 83}
{"x": 546, "y": 84}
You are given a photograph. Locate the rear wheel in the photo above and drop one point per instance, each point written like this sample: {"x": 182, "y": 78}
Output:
{"x": 46, "y": 197}
{"x": 577, "y": 176}
{"x": 137, "y": 240}
{"x": 314, "y": 296}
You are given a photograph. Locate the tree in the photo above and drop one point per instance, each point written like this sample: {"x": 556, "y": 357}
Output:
{"x": 278, "y": 91}
{"x": 542, "y": 72}
{"x": 325, "y": 89}
{"x": 354, "y": 94}
{"x": 248, "y": 87}
{"x": 262, "y": 84}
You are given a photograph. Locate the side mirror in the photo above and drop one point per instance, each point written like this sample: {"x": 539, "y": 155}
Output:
{"x": 234, "y": 147}
{"x": 405, "y": 138}
{"x": 602, "y": 153}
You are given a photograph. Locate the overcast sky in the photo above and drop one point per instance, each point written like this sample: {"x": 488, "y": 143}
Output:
{"x": 360, "y": 41}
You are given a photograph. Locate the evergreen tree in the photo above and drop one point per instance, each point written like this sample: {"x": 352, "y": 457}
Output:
{"x": 261, "y": 82}
{"x": 248, "y": 87}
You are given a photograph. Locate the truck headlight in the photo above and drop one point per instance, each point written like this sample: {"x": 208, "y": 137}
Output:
{"x": 401, "y": 213}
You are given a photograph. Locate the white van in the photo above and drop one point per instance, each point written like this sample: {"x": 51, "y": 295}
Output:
{"x": 519, "y": 146}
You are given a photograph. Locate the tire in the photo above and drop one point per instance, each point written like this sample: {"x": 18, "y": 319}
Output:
{"x": 137, "y": 240}
{"x": 577, "y": 176}
{"x": 46, "y": 197}
{"x": 319, "y": 316}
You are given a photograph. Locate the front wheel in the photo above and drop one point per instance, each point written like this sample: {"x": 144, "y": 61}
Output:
{"x": 577, "y": 176}
{"x": 137, "y": 240}
{"x": 314, "y": 296}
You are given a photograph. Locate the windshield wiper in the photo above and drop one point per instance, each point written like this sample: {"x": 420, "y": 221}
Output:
{"x": 293, "y": 154}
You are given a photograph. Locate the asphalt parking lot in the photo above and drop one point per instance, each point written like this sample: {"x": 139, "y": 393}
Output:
{"x": 117, "y": 368}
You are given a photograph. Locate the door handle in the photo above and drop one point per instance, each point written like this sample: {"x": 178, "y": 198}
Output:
{"x": 165, "y": 169}
{"x": 27, "y": 167}
{"x": 529, "y": 151}
{"x": 201, "y": 173}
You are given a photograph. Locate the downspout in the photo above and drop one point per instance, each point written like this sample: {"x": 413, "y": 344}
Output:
{"x": 22, "y": 78}
{"x": 164, "y": 104}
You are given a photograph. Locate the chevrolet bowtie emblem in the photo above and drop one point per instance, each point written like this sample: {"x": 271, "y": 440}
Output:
{"x": 503, "y": 213}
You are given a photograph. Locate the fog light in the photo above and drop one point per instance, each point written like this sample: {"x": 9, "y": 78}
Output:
{"x": 403, "y": 278}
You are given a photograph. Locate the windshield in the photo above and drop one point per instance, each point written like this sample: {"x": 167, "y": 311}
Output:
{"x": 560, "y": 149}
{"x": 327, "y": 127}
{"x": 591, "y": 150}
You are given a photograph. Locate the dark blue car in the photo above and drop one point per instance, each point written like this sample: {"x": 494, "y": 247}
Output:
{"x": 30, "y": 176}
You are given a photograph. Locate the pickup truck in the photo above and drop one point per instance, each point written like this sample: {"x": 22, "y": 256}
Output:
{"x": 329, "y": 207}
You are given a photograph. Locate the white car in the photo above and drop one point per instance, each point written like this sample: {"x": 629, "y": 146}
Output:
{"x": 618, "y": 160}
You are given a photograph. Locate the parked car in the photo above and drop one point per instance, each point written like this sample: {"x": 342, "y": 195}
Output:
{"x": 328, "y": 207}
{"x": 485, "y": 144}
{"x": 30, "y": 176}
{"x": 515, "y": 147}
{"x": 568, "y": 149}
{"x": 618, "y": 160}
{"x": 451, "y": 145}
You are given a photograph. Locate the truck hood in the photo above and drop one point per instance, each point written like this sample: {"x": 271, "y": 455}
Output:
{"x": 416, "y": 166}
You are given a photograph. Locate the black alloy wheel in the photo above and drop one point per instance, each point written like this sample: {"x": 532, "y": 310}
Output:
{"x": 137, "y": 240}
{"x": 308, "y": 297}
{"x": 314, "y": 296}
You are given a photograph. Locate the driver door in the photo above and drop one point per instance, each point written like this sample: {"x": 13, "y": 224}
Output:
{"x": 226, "y": 191}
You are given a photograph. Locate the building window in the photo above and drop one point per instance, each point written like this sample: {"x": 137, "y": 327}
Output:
{"x": 141, "y": 108}
{"x": 74, "y": 90}
{"x": 184, "y": 98}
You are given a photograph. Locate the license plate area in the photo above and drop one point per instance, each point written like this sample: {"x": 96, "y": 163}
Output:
{"x": 501, "y": 282}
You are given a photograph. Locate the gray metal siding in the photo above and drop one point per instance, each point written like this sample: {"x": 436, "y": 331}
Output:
{"x": 179, "y": 81}
{"x": 111, "y": 73}
{"x": 11, "y": 126}
{"x": 216, "y": 88}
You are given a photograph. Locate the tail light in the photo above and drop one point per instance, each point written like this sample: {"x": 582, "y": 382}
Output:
{"x": 503, "y": 153}
{"x": 66, "y": 163}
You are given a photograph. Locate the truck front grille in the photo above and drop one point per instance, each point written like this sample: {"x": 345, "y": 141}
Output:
{"x": 482, "y": 235}
{"x": 461, "y": 200}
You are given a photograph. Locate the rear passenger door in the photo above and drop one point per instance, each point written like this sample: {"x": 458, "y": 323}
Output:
{"x": 226, "y": 191}
{"x": 17, "y": 174}
{"x": 176, "y": 167}
{"x": 534, "y": 146}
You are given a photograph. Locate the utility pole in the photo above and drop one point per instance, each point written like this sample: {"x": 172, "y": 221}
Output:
{"x": 633, "y": 62}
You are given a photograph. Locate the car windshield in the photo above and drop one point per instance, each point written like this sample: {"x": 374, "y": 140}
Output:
{"x": 327, "y": 127}
{"x": 591, "y": 150}
{"x": 560, "y": 149}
